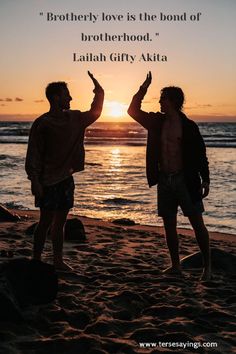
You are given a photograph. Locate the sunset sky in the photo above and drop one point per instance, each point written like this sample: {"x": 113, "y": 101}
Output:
{"x": 200, "y": 55}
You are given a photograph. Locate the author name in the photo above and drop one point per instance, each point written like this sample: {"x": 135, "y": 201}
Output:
{"x": 119, "y": 57}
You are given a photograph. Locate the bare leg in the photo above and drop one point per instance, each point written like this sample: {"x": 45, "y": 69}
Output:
{"x": 202, "y": 237}
{"x": 172, "y": 243}
{"x": 57, "y": 235}
{"x": 40, "y": 233}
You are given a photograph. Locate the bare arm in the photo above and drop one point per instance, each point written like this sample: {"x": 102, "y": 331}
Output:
{"x": 134, "y": 109}
{"x": 94, "y": 113}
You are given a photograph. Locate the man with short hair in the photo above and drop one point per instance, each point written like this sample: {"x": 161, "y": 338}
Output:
{"x": 55, "y": 152}
{"x": 177, "y": 162}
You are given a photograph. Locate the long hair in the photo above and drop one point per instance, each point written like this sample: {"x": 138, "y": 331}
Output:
{"x": 175, "y": 95}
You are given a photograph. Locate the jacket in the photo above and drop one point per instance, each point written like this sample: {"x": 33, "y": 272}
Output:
{"x": 195, "y": 162}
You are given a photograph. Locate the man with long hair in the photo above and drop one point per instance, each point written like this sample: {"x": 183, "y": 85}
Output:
{"x": 177, "y": 162}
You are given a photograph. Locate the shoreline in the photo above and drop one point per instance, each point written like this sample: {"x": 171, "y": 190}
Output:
{"x": 151, "y": 228}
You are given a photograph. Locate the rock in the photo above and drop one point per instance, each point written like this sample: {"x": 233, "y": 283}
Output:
{"x": 124, "y": 221}
{"x": 74, "y": 230}
{"x": 221, "y": 260}
{"x": 32, "y": 282}
{"x": 24, "y": 282}
{"x": 7, "y": 215}
{"x": 9, "y": 308}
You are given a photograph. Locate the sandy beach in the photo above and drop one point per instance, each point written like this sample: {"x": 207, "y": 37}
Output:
{"x": 118, "y": 301}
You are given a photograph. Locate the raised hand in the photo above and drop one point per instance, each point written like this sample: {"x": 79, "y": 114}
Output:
{"x": 96, "y": 83}
{"x": 148, "y": 81}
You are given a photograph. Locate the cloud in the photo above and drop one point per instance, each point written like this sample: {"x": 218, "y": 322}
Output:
{"x": 8, "y": 99}
{"x": 3, "y": 105}
{"x": 205, "y": 105}
{"x": 213, "y": 117}
{"x": 39, "y": 101}
{"x": 17, "y": 117}
{"x": 198, "y": 105}
{"x": 226, "y": 105}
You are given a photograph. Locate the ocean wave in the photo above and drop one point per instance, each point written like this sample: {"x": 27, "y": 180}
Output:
{"x": 220, "y": 144}
{"x": 125, "y": 133}
{"x": 122, "y": 201}
{"x": 14, "y": 132}
{"x": 13, "y": 139}
{"x": 12, "y": 205}
{"x": 93, "y": 164}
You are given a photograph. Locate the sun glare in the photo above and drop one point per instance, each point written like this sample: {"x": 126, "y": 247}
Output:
{"x": 116, "y": 109}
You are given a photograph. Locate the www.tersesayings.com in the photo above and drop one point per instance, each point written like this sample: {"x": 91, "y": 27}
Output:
{"x": 183, "y": 345}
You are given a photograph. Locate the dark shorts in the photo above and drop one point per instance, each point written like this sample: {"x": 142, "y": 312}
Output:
{"x": 172, "y": 193}
{"x": 59, "y": 196}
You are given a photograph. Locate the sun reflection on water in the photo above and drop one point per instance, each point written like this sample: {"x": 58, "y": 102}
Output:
{"x": 115, "y": 160}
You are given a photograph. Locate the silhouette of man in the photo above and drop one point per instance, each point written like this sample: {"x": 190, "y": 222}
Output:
{"x": 55, "y": 152}
{"x": 177, "y": 162}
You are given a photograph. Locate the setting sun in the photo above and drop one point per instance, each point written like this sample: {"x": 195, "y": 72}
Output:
{"x": 115, "y": 109}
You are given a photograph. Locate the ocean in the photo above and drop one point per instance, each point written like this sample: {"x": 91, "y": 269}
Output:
{"x": 114, "y": 184}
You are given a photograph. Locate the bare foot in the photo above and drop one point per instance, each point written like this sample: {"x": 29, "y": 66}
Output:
{"x": 173, "y": 271}
{"x": 62, "y": 266}
{"x": 206, "y": 275}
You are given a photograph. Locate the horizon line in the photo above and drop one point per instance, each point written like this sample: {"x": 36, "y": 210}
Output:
{"x": 30, "y": 117}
